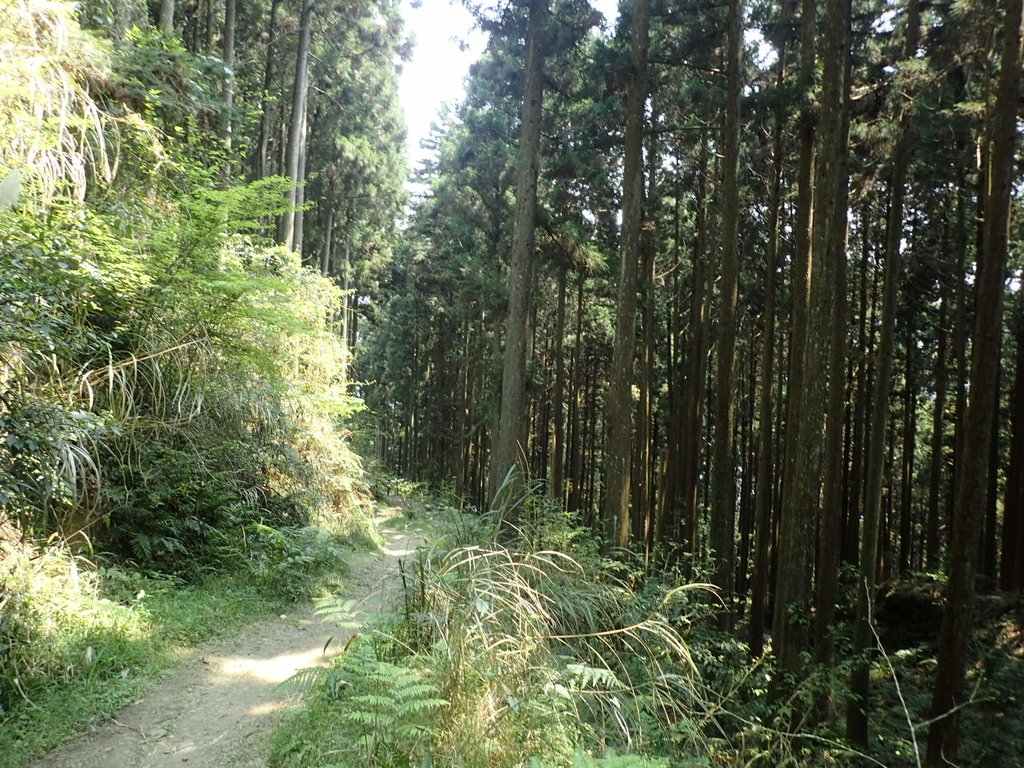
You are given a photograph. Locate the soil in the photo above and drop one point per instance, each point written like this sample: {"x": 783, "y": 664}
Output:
{"x": 218, "y": 710}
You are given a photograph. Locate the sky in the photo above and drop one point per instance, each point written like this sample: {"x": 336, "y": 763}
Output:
{"x": 446, "y": 44}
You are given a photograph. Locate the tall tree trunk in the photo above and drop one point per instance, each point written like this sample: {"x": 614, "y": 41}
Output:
{"x": 298, "y": 230}
{"x": 619, "y": 402}
{"x": 263, "y": 142}
{"x": 210, "y": 26}
{"x": 795, "y": 548}
{"x": 556, "y": 484}
{"x": 723, "y": 508}
{"x": 166, "y": 21}
{"x": 944, "y": 733}
{"x": 575, "y": 460}
{"x": 908, "y": 454}
{"x": 938, "y": 458}
{"x": 296, "y": 127}
{"x": 765, "y": 485}
{"x": 325, "y": 257}
{"x": 645, "y": 412}
{"x": 835, "y": 240}
{"x": 668, "y": 507}
{"x": 228, "y": 56}
{"x": 1011, "y": 573}
{"x": 346, "y": 299}
{"x": 512, "y": 421}
{"x": 643, "y": 528}
{"x": 988, "y": 567}
{"x": 857, "y": 711}
{"x": 802, "y": 500}
{"x": 694, "y": 388}
{"x": 865, "y": 344}
{"x": 959, "y": 352}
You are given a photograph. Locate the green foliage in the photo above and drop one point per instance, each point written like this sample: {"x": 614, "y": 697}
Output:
{"x": 79, "y": 641}
{"x": 172, "y": 385}
{"x": 385, "y": 712}
{"x": 614, "y": 760}
{"x": 532, "y": 653}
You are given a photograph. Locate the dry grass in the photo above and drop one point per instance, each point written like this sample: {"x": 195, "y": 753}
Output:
{"x": 54, "y": 131}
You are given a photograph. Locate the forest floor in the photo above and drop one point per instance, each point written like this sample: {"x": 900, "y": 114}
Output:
{"x": 218, "y": 710}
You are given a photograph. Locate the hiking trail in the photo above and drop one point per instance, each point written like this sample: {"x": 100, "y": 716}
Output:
{"x": 217, "y": 710}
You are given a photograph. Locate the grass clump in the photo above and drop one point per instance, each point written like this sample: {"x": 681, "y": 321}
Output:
{"x": 511, "y": 655}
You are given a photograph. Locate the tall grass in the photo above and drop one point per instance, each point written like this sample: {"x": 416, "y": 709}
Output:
{"x": 536, "y": 656}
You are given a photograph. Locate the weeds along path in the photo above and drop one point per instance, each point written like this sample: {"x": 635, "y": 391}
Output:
{"x": 216, "y": 711}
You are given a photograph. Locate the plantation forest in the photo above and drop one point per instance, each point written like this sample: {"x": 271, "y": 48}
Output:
{"x": 692, "y": 359}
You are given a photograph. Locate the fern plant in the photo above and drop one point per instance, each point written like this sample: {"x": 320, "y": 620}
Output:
{"x": 386, "y": 710}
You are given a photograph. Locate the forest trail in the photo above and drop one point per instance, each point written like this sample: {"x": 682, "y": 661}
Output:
{"x": 219, "y": 709}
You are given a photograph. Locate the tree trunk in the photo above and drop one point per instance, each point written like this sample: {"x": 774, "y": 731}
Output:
{"x": 645, "y": 412}
{"x": 723, "y": 509}
{"x": 764, "y": 487}
{"x": 944, "y": 733}
{"x": 166, "y": 22}
{"x": 556, "y": 484}
{"x": 325, "y": 257}
{"x": 1011, "y": 574}
{"x": 619, "y": 402}
{"x": 296, "y": 126}
{"x": 298, "y": 230}
{"x": 263, "y": 142}
{"x": 512, "y": 421}
{"x": 908, "y": 454}
{"x": 938, "y": 458}
{"x": 668, "y": 508}
{"x": 795, "y": 548}
{"x": 228, "y": 55}
{"x": 988, "y": 567}
{"x": 696, "y": 359}
{"x": 575, "y": 459}
{"x": 210, "y": 26}
{"x": 857, "y": 711}
{"x": 836, "y": 173}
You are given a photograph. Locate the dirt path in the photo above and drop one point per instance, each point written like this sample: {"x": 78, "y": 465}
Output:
{"x": 218, "y": 710}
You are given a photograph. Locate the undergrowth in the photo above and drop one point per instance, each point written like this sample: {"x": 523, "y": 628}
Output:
{"x": 80, "y": 640}
{"x": 539, "y": 651}
{"x": 505, "y": 655}
{"x": 174, "y": 457}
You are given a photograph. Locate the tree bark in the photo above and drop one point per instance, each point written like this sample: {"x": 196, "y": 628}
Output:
{"x": 795, "y": 549}
{"x": 944, "y": 733}
{"x": 619, "y": 403}
{"x": 296, "y": 127}
{"x": 857, "y": 712}
{"x": 765, "y": 486}
{"x": 1011, "y": 573}
{"x": 938, "y": 458}
{"x": 166, "y": 21}
{"x": 512, "y": 420}
{"x": 835, "y": 138}
{"x": 228, "y": 56}
{"x": 556, "y": 484}
{"x": 263, "y": 142}
{"x": 298, "y": 229}
{"x": 723, "y": 509}
{"x": 694, "y": 389}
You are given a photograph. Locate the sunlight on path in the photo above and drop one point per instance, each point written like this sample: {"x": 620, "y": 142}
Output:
{"x": 217, "y": 711}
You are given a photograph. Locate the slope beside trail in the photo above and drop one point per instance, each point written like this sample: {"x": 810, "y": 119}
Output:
{"x": 217, "y": 711}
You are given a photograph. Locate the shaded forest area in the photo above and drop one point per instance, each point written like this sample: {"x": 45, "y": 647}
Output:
{"x": 762, "y": 327}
